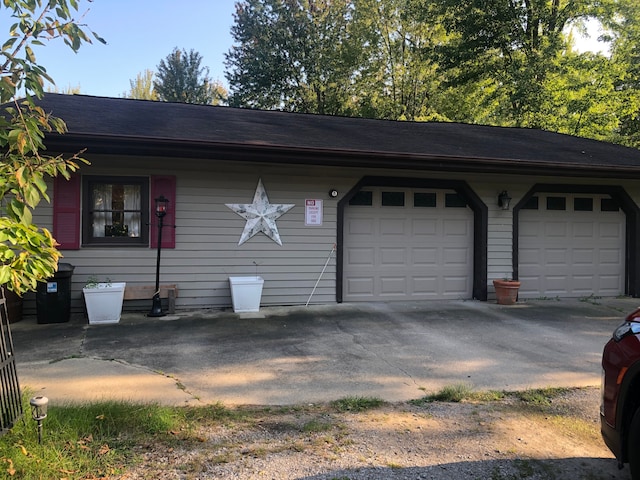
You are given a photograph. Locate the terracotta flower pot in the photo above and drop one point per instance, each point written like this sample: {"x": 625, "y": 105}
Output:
{"x": 506, "y": 291}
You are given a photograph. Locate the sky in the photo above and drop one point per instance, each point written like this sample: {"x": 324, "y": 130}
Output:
{"x": 140, "y": 33}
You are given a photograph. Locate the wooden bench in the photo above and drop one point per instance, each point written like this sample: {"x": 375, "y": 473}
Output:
{"x": 146, "y": 292}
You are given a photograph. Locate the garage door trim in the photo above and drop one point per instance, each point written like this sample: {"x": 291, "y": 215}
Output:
{"x": 477, "y": 206}
{"x": 627, "y": 205}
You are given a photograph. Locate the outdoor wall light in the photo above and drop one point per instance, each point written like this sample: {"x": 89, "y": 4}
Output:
{"x": 39, "y": 412}
{"x": 333, "y": 193}
{"x": 161, "y": 210}
{"x": 504, "y": 200}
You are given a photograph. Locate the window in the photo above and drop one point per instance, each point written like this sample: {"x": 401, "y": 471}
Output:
{"x": 556, "y": 203}
{"x": 393, "y": 199}
{"x": 362, "y": 198}
{"x": 583, "y": 204}
{"x": 427, "y": 199}
{"x": 609, "y": 205}
{"x": 453, "y": 200}
{"x": 531, "y": 204}
{"x": 115, "y": 211}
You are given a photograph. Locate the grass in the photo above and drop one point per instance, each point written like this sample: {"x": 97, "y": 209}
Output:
{"x": 357, "y": 404}
{"x": 458, "y": 393}
{"x": 83, "y": 441}
{"x": 103, "y": 440}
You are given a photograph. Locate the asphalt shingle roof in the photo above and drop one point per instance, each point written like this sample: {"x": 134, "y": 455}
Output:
{"x": 104, "y": 123}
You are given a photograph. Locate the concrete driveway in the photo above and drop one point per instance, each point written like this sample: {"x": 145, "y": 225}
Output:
{"x": 288, "y": 355}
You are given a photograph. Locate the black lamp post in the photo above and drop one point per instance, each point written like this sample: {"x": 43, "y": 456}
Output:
{"x": 161, "y": 210}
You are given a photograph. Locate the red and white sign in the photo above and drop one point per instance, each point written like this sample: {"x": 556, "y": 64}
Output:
{"x": 313, "y": 212}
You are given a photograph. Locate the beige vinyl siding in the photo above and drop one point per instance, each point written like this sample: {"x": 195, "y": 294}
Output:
{"x": 207, "y": 233}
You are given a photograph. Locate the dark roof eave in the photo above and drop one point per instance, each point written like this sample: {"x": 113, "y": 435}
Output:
{"x": 263, "y": 153}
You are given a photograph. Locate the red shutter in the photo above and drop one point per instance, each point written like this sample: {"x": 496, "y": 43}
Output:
{"x": 163, "y": 185}
{"x": 66, "y": 212}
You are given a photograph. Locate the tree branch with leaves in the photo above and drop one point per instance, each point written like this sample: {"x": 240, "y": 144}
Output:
{"x": 28, "y": 253}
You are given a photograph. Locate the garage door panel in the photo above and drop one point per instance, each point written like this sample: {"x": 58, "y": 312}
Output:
{"x": 555, "y": 257}
{"x": 531, "y": 229}
{"x": 361, "y": 256}
{"x": 456, "y": 228}
{"x": 424, "y": 256}
{"x": 530, "y": 256}
{"x": 583, "y": 284}
{"x": 360, "y": 287}
{"x": 393, "y": 257}
{"x": 361, "y": 226}
{"x": 392, "y": 226}
{"x": 456, "y": 285}
{"x": 557, "y": 284}
{"x": 610, "y": 230}
{"x": 574, "y": 254}
{"x": 427, "y": 227}
{"x": 584, "y": 256}
{"x": 609, "y": 283}
{"x": 393, "y": 285}
{"x": 455, "y": 256}
{"x": 425, "y": 285}
{"x": 611, "y": 256}
{"x": 412, "y": 252}
{"x": 582, "y": 230}
{"x": 555, "y": 229}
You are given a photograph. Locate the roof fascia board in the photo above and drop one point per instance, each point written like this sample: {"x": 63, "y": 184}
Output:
{"x": 173, "y": 148}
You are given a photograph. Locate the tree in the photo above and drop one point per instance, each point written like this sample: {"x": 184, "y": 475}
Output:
{"x": 518, "y": 44}
{"x": 295, "y": 55}
{"x": 68, "y": 90}
{"x": 400, "y": 75}
{"x": 180, "y": 78}
{"x": 28, "y": 253}
{"x": 141, "y": 88}
{"x": 625, "y": 25}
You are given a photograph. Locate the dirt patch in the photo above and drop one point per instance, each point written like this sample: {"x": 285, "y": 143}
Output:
{"x": 498, "y": 440}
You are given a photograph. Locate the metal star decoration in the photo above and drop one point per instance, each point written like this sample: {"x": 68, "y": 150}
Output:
{"x": 261, "y": 215}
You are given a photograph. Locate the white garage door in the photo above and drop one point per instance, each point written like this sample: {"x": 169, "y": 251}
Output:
{"x": 571, "y": 246}
{"x": 407, "y": 244}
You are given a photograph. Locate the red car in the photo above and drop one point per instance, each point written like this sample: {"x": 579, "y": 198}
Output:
{"x": 620, "y": 409}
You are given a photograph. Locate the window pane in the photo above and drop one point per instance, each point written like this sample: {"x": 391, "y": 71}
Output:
{"x": 609, "y": 205}
{"x": 393, "y": 199}
{"x": 424, "y": 200}
{"x": 583, "y": 204}
{"x": 556, "y": 203}
{"x": 454, "y": 200}
{"x": 115, "y": 210}
{"x": 362, "y": 198}
{"x": 531, "y": 204}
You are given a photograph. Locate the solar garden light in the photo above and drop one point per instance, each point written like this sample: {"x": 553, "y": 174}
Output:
{"x": 161, "y": 210}
{"x": 39, "y": 412}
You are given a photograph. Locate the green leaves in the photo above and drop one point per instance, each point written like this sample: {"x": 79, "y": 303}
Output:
{"x": 180, "y": 78}
{"x": 495, "y": 62}
{"x": 27, "y": 253}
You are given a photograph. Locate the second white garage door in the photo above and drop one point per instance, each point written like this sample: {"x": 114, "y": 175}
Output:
{"x": 571, "y": 246}
{"x": 407, "y": 244}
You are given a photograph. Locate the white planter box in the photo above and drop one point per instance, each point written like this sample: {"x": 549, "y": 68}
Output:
{"x": 246, "y": 293}
{"x": 104, "y": 302}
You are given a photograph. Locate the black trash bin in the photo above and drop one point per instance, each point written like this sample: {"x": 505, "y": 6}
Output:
{"x": 53, "y": 297}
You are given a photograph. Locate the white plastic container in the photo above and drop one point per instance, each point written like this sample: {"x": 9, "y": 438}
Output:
{"x": 104, "y": 302}
{"x": 246, "y": 293}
